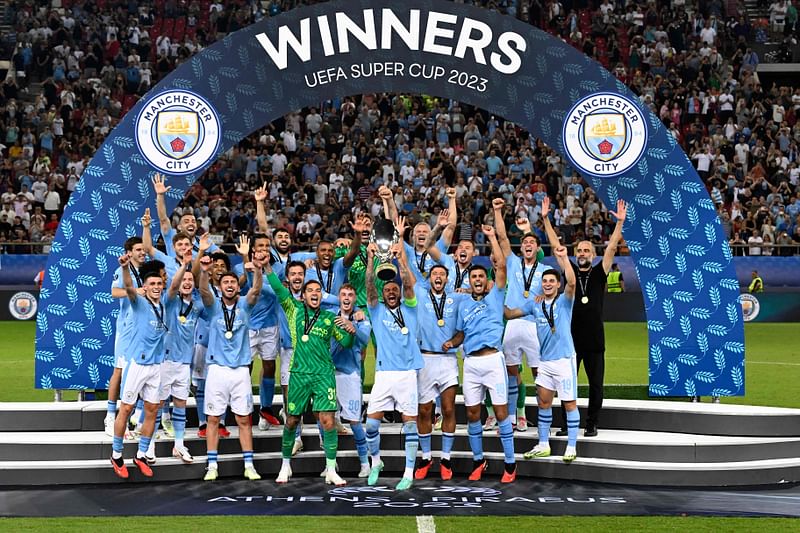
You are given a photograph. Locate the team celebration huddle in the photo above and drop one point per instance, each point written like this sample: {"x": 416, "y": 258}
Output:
{"x": 189, "y": 319}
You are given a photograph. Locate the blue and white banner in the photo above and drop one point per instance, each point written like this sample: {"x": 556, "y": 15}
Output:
{"x": 477, "y": 56}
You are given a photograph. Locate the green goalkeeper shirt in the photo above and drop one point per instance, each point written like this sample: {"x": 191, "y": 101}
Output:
{"x": 312, "y": 356}
{"x": 357, "y": 276}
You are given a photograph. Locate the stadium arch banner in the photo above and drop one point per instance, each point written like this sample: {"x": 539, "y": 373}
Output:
{"x": 314, "y": 53}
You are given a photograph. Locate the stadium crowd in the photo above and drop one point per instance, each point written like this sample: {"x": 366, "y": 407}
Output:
{"x": 80, "y": 66}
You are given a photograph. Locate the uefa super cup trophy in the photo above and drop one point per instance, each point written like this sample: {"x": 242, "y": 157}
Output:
{"x": 384, "y": 235}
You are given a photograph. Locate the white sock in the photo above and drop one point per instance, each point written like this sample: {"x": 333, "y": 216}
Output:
{"x": 151, "y": 450}
{"x": 116, "y": 455}
{"x": 408, "y": 473}
{"x": 286, "y": 463}
{"x": 376, "y": 459}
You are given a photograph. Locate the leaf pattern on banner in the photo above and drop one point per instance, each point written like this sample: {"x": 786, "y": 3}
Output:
{"x": 683, "y": 262}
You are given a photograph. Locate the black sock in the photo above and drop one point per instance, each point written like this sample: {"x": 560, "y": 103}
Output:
{"x": 119, "y": 461}
{"x": 477, "y": 464}
{"x": 424, "y": 462}
{"x": 446, "y": 463}
{"x": 202, "y": 426}
{"x": 510, "y": 467}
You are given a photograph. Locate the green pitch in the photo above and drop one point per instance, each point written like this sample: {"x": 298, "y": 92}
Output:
{"x": 396, "y": 524}
{"x": 773, "y": 362}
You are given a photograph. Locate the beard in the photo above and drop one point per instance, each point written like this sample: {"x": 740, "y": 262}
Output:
{"x": 584, "y": 262}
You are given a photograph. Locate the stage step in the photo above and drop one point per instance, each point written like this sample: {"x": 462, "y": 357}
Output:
{"x": 609, "y": 444}
{"x": 93, "y": 471}
{"x": 642, "y": 415}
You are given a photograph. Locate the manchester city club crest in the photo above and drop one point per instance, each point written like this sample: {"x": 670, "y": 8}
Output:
{"x": 22, "y": 305}
{"x": 178, "y": 132}
{"x": 605, "y": 135}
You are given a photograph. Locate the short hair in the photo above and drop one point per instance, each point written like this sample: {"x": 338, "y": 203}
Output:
{"x": 150, "y": 274}
{"x": 229, "y": 273}
{"x": 222, "y": 256}
{"x": 151, "y": 267}
{"x": 131, "y": 242}
{"x": 347, "y": 286}
{"x": 531, "y": 234}
{"x": 281, "y": 230}
{"x": 440, "y": 266}
{"x": 311, "y": 282}
{"x": 257, "y": 236}
{"x": 478, "y": 268}
{"x": 552, "y": 272}
{"x": 180, "y": 236}
{"x": 292, "y": 264}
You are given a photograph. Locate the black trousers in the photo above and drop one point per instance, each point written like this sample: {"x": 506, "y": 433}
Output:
{"x": 595, "y": 365}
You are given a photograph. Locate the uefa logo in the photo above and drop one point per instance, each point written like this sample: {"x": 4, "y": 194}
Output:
{"x": 750, "y": 307}
{"x": 604, "y": 135}
{"x": 22, "y": 305}
{"x": 178, "y": 132}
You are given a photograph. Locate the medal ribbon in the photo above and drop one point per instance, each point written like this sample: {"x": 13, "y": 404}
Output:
{"x": 159, "y": 315}
{"x": 229, "y": 318}
{"x": 528, "y": 277}
{"x": 398, "y": 317}
{"x": 583, "y": 281}
{"x": 188, "y": 310}
{"x": 551, "y": 317}
{"x": 330, "y": 277}
{"x": 438, "y": 307}
{"x": 308, "y": 325}
{"x": 136, "y": 275}
{"x": 421, "y": 261}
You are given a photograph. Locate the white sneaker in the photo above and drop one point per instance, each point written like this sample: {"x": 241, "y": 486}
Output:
{"x": 364, "y": 472}
{"x": 263, "y": 425}
{"x": 324, "y": 472}
{"x": 284, "y": 475}
{"x": 251, "y": 474}
{"x": 183, "y": 454}
{"x": 491, "y": 422}
{"x": 538, "y": 451}
{"x": 522, "y": 424}
{"x": 341, "y": 429}
{"x": 109, "y": 424}
{"x": 282, "y": 415}
{"x": 298, "y": 447}
{"x": 332, "y": 478}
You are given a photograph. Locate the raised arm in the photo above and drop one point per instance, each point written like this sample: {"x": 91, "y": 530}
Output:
{"x": 616, "y": 235}
{"x": 389, "y": 207}
{"x": 369, "y": 276}
{"x": 569, "y": 273}
{"x": 147, "y": 237}
{"x": 161, "y": 204}
{"x": 177, "y": 279}
{"x": 205, "y": 291}
{"x": 502, "y": 237}
{"x": 442, "y": 223}
{"x": 452, "y": 221}
{"x": 355, "y": 245}
{"x": 406, "y": 276}
{"x": 260, "y": 195}
{"x": 552, "y": 237}
{"x": 499, "y": 256}
{"x": 127, "y": 282}
{"x": 258, "y": 281}
{"x": 202, "y": 248}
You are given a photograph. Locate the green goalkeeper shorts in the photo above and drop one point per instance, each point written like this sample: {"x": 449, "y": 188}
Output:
{"x": 317, "y": 389}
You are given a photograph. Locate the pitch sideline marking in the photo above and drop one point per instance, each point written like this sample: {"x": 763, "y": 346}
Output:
{"x": 426, "y": 524}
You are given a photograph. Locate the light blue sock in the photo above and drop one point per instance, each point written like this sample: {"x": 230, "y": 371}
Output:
{"x": 158, "y": 422}
{"x": 507, "y": 439}
{"x": 573, "y": 422}
{"x": 212, "y": 459}
{"x": 140, "y": 409}
{"x": 425, "y": 445}
{"x": 165, "y": 408}
{"x": 111, "y": 408}
{"x": 200, "y": 397}
{"x": 513, "y": 394}
{"x": 412, "y": 443}
{"x": 373, "y": 436}
{"x": 447, "y": 444}
{"x": 266, "y": 393}
{"x": 475, "y": 431}
{"x": 545, "y": 420}
{"x": 438, "y": 409}
{"x": 179, "y": 424}
{"x": 248, "y": 458}
{"x": 144, "y": 443}
{"x": 117, "y": 445}
{"x": 321, "y": 434}
{"x": 360, "y": 437}
{"x": 298, "y": 430}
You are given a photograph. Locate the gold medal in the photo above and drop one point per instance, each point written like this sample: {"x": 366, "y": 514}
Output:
{"x": 304, "y": 338}
{"x": 404, "y": 330}
{"x": 182, "y": 319}
{"x": 525, "y": 294}
{"x": 440, "y": 322}
{"x": 424, "y": 274}
{"x": 228, "y": 335}
{"x": 553, "y": 330}
{"x": 585, "y": 300}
